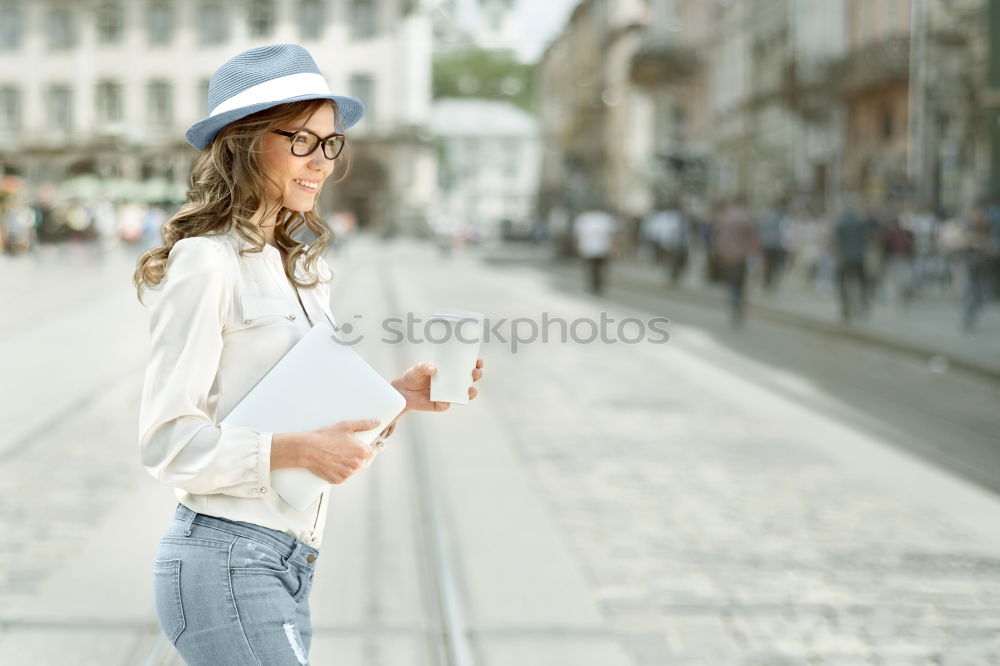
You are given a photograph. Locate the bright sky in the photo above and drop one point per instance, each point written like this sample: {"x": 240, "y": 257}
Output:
{"x": 539, "y": 22}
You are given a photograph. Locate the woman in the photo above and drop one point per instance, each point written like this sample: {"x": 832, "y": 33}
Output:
{"x": 229, "y": 293}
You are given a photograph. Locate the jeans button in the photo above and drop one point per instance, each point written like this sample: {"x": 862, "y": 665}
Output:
{"x": 310, "y": 558}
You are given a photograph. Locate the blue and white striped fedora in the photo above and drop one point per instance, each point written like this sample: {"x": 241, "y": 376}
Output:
{"x": 260, "y": 78}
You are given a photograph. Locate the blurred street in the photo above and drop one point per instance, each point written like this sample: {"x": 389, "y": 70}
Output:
{"x": 770, "y": 495}
{"x": 740, "y": 268}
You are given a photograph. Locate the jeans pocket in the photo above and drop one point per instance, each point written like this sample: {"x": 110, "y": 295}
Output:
{"x": 167, "y": 597}
{"x": 251, "y": 556}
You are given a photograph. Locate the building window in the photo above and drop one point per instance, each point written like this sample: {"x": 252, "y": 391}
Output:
{"x": 887, "y": 124}
{"x": 10, "y": 108}
{"x": 60, "y": 107}
{"x": 261, "y": 18}
{"x": 11, "y": 26}
{"x": 160, "y": 103}
{"x": 679, "y": 124}
{"x": 161, "y": 22}
{"x": 60, "y": 29}
{"x": 110, "y": 23}
{"x": 109, "y": 102}
{"x": 362, "y": 86}
{"x": 363, "y": 19}
{"x": 509, "y": 156}
{"x": 213, "y": 23}
{"x": 470, "y": 148}
{"x": 311, "y": 19}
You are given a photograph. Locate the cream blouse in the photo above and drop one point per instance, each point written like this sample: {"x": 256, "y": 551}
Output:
{"x": 218, "y": 323}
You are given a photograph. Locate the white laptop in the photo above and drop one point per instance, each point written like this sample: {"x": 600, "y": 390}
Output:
{"x": 319, "y": 382}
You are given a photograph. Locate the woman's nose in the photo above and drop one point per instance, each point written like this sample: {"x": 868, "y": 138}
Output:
{"x": 319, "y": 161}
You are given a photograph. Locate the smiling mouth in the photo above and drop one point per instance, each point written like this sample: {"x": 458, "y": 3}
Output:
{"x": 311, "y": 184}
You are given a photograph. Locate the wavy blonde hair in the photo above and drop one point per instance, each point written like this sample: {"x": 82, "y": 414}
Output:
{"x": 226, "y": 188}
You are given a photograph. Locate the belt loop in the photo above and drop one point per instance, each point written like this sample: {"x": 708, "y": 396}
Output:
{"x": 188, "y": 520}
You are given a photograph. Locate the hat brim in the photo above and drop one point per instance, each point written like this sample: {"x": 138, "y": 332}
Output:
{"x": 202, "y": 132}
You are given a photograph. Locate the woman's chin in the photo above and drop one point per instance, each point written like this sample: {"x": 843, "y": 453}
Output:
{"x": 300, "y": 204}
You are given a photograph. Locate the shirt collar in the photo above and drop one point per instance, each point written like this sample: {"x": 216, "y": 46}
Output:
{"x": 269, "y": 252}
{"x": 243, "y": 244}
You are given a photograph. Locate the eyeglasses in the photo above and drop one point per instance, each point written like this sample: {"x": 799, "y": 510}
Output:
{"x": 305, "y": 143}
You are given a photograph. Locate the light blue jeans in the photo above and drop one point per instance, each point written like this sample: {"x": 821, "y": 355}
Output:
{"x": 229, "y": 593}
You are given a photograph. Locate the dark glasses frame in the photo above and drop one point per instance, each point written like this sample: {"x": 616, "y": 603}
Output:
{"x": 328, "y": 143}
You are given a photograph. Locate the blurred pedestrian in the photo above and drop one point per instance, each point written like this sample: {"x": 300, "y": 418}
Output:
{"x": 51, "y": 225}
{"x": 668, "y": 230}
{"x": 773, "y": 233}
{"x": 105, "y": 225}
{"x": 80, "y": 222}
{"x": 594, "y": 229}
{"x": 17, "y": 235}
{"x": 706, "y": 239}
{"x": 234, "y": 570}
{"x": 851, "y": 244}
{"x": 633, "y": 240}
{"x": 950, "y": 244}
{"x": 131, "y": 221}
{"x": 979, "y": 253}
{"x": 993, "y": 222}
{"x": 735, "y": 240}
{"x": 155, "y": 216}
{"x": 805, "y": 245}
{"x": 897, "y": 262}
{"x": 344, "y": 226}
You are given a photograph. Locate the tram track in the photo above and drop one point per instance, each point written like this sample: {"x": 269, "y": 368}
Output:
{"x": 452, "y": 647}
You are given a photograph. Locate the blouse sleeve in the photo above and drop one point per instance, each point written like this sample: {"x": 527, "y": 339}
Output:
{"x": 180, "y": 443}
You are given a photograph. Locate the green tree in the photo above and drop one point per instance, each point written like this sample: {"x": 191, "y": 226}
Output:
{"x": 484, "y": 73}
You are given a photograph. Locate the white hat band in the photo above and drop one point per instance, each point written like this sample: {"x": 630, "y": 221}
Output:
{"x": 283, "y": 87}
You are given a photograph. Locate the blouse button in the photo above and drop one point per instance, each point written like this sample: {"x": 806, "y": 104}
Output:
{"x": 263, "y": 491}
{"x": 291, "y": 316}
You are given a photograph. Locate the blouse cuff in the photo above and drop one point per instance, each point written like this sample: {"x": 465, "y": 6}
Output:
{"x": 257, "y": 479}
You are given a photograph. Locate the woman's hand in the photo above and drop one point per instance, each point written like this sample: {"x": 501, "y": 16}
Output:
{"x": 334, "y": 452}
{"x": 415, "y": 386}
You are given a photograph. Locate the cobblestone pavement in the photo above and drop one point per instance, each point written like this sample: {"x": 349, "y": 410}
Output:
{"x": 721, "y": 523}
{"x": 75, "y": 395}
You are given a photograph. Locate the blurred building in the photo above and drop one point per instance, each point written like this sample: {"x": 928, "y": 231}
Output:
{"x": 818, "y": 39}
{"x": 573, "y": 113}
{"x": 909, "y": 83}
{"x": 953, "y": 162}
{"x": 794, "y": 100}
{"x": 109, "y": 87}
{"x": 873, "y": 85}
{"x": 488, "y": 160}
{"x": 463, "y": 24}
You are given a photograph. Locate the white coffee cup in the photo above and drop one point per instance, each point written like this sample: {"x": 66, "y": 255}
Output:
{"x": 455, "y": 336}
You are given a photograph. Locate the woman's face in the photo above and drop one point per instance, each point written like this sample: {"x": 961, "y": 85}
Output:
{"x": 298, "y": 178}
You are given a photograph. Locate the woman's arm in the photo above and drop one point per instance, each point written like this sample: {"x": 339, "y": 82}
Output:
{"x": 180, "y": 444}
{"x": 288, "y": 449}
